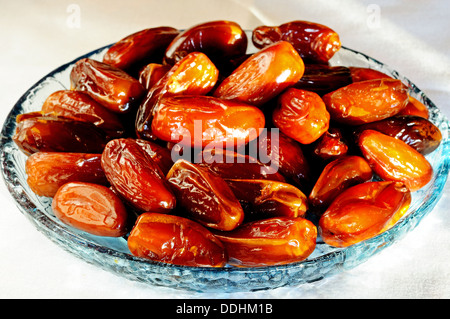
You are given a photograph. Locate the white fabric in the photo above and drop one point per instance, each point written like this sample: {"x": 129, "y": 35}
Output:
{"x": 37, "y": 36}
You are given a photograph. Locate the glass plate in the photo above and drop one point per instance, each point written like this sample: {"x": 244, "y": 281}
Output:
{"x": 112, "y": 254}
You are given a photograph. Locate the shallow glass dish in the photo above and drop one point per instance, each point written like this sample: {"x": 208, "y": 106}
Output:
{"x": 112, "y": 254}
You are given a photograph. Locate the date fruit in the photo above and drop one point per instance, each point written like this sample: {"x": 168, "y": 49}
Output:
{"x": 416, "y": 131}
{"x": 201, "y": 121}
{"x": 323, "y": 79}
{"x": 140, "y": 48}
{"x": 206, "y": 197}
{"x": 394, "y": 160}
{"x": 220, "y": 40}
{"x": 263, "y": 199}
{"x": 91, "y": 208}
{"x": 268, "y": 242}
{"x": 316, "y": 43}
{"x": 152, "y": 73}
{"x": 175, "y": 240}
{"x": 337, "y": 176}
{"x": 416, "y": 108}
{"x": 366, "y": 101}
{"x": 330, "y": 146}
{"x": 36, "y": 132}
{"x": 301, "y": 115}
{"x": 363, "y": 211}
{"x": 48, "y": 171}
{"x": 263, "y": 75}
{"x": 195, "y": 74}
{"x": 133, "y": 173}
{"x": 108, "y": 85}
{"x": 79, "y": 105}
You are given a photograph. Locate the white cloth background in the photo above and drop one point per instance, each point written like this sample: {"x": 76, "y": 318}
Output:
{"x": 37, "y": 36}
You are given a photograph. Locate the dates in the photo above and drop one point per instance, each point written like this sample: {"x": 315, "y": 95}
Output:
{"x": 265, "y": 198}
{"x": 136, "y": 177}
{"x": 268, "y": 242}
{"x": 195, "y": 74}
{"x": 201, "y": 121}
{"x": 48, "y": 171}
{"x": 337, "y": 176}
{"x": 140, "y": 48}
{"x": 220, "y": 40}
{"x": 40, "y": 133}
{"x": 175, "y": 240}
{"x": 206, "y": 197}
{"x": 79, "y": 105}
{"x": 152, "y": 73}
{"x": 314, "y": 42}
{"x": 263, "y": 75}
{"x": 363, "y": 211}
{"x": 323, "y": 79}
{"x": 415, "y": 131}
{"x": 394, "y": 160}
{"x": 91, "y": 208}
{"x": 108, "y": 85}
{"x": 301, "y": 115}
{"x": 366, "y": 101}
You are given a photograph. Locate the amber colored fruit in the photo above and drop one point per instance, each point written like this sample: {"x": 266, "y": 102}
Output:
{"x": 91, "y": 208}
{"x": 314, "y": 42}
{"x": 195, "y": 74}
{"x": 364, "y": 211}
{"x": 140, "y": 48}
{"x": 206, "y": 121}
{"x": 152, "y": 73}
{"x": 301, "y": 115}
{"x": 323, "y": 79}
{"x": 416, "y": 108}
{"x": 220, "y": 40}
{"x": 394, "y": 160}
{"x": 175, "y": 240}
{"x": 263, "y": 75}
{"x": 233, "y": 165}
{"x": 265, "y": 198}
{"x": 108, "y": 85}
{"x": 359, "y": 74}
{"x": 79, "y": 105}
{"x": 268, "y": 242}
{"x": 331, "y": 145}
{"x": 416, "y": 131}
{"x": 206, "y": 197}
{"x": 366, "y": 101}
{"x": 337, "y": 176}
{"x": 48, "y": 171}
{"x": 133, "y": 173}
{"x": 36, "y": 132}
{"x": 160, "y": 155}
{"x": 287, "y": 154}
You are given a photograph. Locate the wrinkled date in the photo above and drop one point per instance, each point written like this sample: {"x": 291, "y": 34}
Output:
{"x": 330, "y": 146}
{"x": 140, "y": 48}
{"x": 337, "y": 176}
{"x": 201, "y": 121}
{"x": 206, "y": 197}
{"x": 108, "y": 85}
{"x": 136, "y": 177}
{"x": 195, "y": 74}
{"x": 48, "y": 171}
{"x": 363, "y": 211}
{"x": 79, "y": 105}
{"x": 273, "y": 241}
{"x": 175, "y": 240}
{"x": 415, "y": 131}
{"x": 220, "y": 40}
{"x": 366, "y": 101}
{"x": 40, "y": 133}
{"x": 92, "y": 208}
{"x": 314, "y": 42}
{"x": 265, "y": 198}
{"x": 301, "y": 115}
{"x": 263, "y": 75}
{"x": 394, "y": 160}
{"x": 323, "y": 79}
{"x": 152, "y": 73}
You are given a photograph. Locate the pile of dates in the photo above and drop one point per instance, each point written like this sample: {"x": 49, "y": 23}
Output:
{"x": 201, "y": 154}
